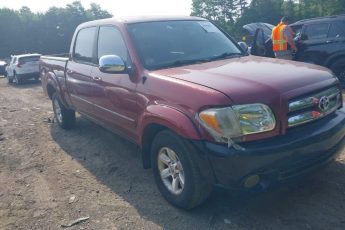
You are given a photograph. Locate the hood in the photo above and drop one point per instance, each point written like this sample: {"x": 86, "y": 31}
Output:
{"x": 253, "y": 79}
{"x": 252, "y": 27}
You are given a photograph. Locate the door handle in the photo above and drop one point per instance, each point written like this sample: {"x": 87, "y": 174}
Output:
{"x": 70, "y": 71}
{"x": 329, "y": 41}
{"x": 97, "y": 78}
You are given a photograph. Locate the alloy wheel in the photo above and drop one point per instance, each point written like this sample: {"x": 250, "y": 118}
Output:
{"x": 171, "y": 170}
{"x": 57, "y": 110}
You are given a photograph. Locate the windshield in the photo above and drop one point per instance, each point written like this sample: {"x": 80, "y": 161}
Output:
{"x": 172, "y": 43}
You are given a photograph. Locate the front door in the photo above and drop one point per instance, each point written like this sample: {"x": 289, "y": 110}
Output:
{"x": 115, "y": 97}
{"x": 258, "y": 47}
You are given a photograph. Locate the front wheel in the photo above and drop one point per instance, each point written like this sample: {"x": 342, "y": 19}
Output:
{"x": 179, "y": 172}
{"x": 64, "y": 117}
{"x": 338, "y": 69}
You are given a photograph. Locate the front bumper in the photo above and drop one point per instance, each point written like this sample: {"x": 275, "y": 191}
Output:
{"x": 303, "y": 149}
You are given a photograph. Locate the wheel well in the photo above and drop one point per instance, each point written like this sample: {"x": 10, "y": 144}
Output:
{"x": 149, "y": 134}
{"x": 50, "y": 90}
{"x": 335, "y": 59}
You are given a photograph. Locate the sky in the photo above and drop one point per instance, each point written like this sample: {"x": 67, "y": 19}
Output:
{"x": 116, "y": 7}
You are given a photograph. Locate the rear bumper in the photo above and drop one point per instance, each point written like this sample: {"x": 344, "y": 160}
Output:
{"x": 302, "y": 150}
{"x": 28, "y": 75}
{"x": 2, "y": 70}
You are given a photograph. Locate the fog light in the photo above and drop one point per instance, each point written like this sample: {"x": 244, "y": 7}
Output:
{"x": 251, "y": 181}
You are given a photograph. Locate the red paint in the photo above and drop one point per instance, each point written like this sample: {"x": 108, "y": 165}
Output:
{"x": 173, "y": 97}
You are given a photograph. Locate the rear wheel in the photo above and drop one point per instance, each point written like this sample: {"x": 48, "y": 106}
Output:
{"x": 178, "y": 171}
{"x": 339, "y": 70}
{"x": 17, "y": 79}
{"x": 9, "y": 79}
{"x": 64, "y": 117}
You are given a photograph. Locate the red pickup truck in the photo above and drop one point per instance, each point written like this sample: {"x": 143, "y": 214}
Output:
{"x": 203, "y": 112}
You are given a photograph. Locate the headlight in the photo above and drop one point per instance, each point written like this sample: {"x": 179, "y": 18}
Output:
{"x": 236, "y": 121}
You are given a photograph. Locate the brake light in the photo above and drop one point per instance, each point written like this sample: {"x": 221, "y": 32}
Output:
{"x": 19, "y": 64}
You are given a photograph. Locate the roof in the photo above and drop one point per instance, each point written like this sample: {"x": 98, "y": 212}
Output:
{"x": 320, "y": 19}
{"x": 139, "y": 19}
{"x": 27, "y": 55}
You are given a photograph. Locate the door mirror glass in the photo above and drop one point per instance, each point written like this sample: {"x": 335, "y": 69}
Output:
{"x": 244, "y": 46}
{"x": 111, "y": 64}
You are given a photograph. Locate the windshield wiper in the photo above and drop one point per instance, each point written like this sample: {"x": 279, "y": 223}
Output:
{"x": 198, "y": 61}
{"x": 225, "y": 56}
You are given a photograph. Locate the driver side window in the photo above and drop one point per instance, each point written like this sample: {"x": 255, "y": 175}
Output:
{"x": 110, "y": 42}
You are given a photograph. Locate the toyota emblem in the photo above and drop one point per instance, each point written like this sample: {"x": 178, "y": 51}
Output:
{"x": 324, "y": 103}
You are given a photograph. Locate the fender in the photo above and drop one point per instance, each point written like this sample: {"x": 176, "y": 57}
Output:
{"x": 171, "y": 118}
{"x": 52, "y": 81}
{"x": 157, "y": 117}
{"x": 335, "y": 56}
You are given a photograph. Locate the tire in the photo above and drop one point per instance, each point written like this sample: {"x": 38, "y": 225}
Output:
{"x": 9, "y": 79}
{"x": 64, "y": 117}
{"x": 338, "y": 69}
{"x": 193, "y": 177}
{"x": 16, "y": 79}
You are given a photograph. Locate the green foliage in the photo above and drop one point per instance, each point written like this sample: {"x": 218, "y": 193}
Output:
{"x": 23, "y": 31}
{"x": 233, "y": 14}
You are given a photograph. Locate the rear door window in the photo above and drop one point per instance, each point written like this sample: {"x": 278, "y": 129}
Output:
{"x": 83, "y": 50}
{"x": 337, "y": 30}
{"x": 316, "y": 31}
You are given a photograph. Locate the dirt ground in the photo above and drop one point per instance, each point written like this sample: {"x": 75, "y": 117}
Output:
{"x": 50, "y": 177}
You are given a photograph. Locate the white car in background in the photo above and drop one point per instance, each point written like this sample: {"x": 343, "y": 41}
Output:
{"x": 3, "y": 65}
{"x": 23, "y": 67}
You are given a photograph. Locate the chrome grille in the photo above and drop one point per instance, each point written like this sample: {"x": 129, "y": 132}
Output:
{"x": 314, "y": 106}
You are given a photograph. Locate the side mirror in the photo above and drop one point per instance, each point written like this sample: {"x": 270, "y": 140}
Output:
{"x": 111, "y": 64}
{"x": 244, "y": 46}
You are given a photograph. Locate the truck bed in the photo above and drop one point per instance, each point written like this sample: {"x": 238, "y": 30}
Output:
{"x": 54, "y": 66}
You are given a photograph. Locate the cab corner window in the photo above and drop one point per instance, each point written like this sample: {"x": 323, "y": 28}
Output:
{"x": 110, "y": 42}
{"x": 84, "y": 45}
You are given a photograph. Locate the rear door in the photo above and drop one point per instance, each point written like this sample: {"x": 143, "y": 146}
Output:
{"x": 336, "y": 37}
{"x": 315, "y": 44}
{"x": 78, "y": 71}
{"x": 115, "y": 96}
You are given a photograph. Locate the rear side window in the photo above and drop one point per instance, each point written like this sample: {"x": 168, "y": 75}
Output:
{"x": 337, "y": 30}
{"x": 29, "y": 59}
{"x": 110, "y": 42}
{"x": 317, "y": 31}
{"x": 83, "y": 49}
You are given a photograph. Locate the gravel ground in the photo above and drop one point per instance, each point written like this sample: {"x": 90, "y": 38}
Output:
{"x": 50, "y": 177}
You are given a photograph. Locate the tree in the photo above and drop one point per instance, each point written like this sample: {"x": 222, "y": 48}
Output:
{"x": 23, "y": 31}
{"x": 233, "y": 14}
